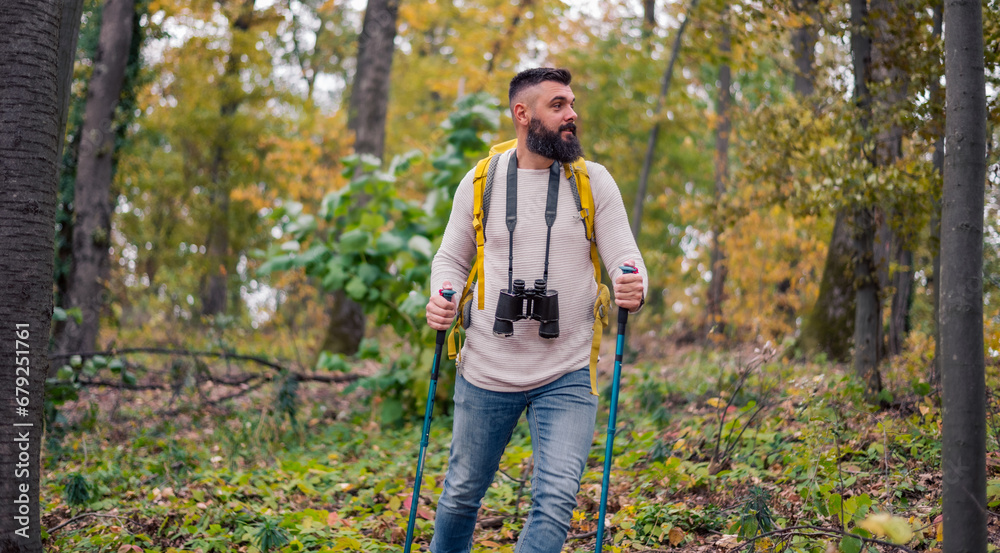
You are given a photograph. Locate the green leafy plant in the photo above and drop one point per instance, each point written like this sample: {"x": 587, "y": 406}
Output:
{"x": 288, "y": 398}
{"x": 77, "y": 490}
{"x": 755, "y": 516}
{"x": 270, "y": 536}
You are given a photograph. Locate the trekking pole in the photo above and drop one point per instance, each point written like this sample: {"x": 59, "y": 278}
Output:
{"x": 612, "y": 418}
{"x": 425, "y": 436}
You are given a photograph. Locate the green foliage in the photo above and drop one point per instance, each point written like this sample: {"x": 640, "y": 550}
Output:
{"x": 474, "y": 116}
{"x": 364, "y": 240}
{"x": 373, "y": 245}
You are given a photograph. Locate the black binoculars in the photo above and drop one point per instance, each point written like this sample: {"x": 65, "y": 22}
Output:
{"x": 539, "y": 304}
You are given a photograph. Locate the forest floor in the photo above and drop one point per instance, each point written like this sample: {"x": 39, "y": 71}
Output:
{"x": 717, "y": 449}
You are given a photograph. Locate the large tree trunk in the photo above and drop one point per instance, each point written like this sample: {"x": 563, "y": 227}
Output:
{"x": 716, "y": 288}
{"x": 963, "y": 435}
{"x": 95, "y": 171}
{"x": 829, "y": 328}
{"x": 370, "y": 91}
{"x": 369, "y": 104}
{"x": 29, "y": 142}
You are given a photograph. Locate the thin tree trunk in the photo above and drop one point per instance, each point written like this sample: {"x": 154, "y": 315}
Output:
{"x": 69, "y": 32}
{"x": 902, "y": 299}
{"x": 522, "y": 7}
{"x": 867, "y": 306}
{"x": 30, "y": 111}
{"x": 95, "y": 170}
{"x": 648, "y": 19}
{"x": 69, "y": 35}
{"x": 890, "y": 24}
{"x": 963, "y": 435}
{"x": 937, "y": 101}
{"x": 716, "y": 288}
{"x": 804, "y": 40}
{"x": 654, "y": 133}
{"x": 215, "y": 282}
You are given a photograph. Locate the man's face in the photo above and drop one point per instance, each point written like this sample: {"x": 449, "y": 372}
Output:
{"x": 552, "y": 124}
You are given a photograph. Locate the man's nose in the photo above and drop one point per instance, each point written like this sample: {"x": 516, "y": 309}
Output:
{"x": 571, "y": 115}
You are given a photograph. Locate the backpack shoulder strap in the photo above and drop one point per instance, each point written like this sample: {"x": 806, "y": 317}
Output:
{"x": 576, "y": 172}
{"x": 482, "y": 183}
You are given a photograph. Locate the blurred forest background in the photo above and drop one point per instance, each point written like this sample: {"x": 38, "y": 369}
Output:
{"x": 234, "y": 135}
{"x": 251, "y": 193}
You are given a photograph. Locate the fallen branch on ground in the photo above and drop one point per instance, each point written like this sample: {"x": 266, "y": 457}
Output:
{"x": 806, "y": 531}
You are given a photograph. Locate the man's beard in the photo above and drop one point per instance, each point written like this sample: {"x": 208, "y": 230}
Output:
{"x": 551, "y": 144}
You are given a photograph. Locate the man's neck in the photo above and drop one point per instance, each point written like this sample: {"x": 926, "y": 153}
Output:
{"x": 527, "y": 159}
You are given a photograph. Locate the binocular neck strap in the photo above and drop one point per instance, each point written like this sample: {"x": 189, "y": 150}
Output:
{"x": 551, "y": 202}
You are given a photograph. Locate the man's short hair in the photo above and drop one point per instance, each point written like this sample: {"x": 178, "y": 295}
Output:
{"x": 531, "y": 77}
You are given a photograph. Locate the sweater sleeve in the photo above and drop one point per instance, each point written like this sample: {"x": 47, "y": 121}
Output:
{"x": 611, "y": 227}
{"x": 453, "y": 259}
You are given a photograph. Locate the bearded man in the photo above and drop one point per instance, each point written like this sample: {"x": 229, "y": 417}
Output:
{"x": 513, "y": 362}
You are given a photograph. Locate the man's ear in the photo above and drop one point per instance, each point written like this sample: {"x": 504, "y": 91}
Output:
{"x": 521, "y": 114}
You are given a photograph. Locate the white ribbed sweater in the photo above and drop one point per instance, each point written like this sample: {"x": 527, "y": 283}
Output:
{"x": 525, "y": 361}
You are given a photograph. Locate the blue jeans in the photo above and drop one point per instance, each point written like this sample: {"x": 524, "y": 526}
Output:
{"x": 561, "y": 421}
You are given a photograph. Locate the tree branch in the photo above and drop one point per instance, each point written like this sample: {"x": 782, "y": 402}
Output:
{"x": 79, "y": 517}
{"x": 793, "y": 531}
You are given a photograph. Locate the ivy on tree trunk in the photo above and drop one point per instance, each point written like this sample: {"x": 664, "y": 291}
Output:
{"x": 94, "y": 173}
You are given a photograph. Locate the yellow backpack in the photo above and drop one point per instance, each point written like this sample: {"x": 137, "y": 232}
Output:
{"x": 483, "y": 183}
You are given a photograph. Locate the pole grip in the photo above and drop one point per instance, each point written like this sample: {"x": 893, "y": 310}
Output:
{"x": 447, "y": 293}
{"x": 623, "y": 313}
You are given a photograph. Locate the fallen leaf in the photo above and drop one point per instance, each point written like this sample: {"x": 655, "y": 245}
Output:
{"x": 728, "y": 541}
{"x": 892, "y": 527}
{"x": 334, "y": 519}
{"x": 676, "y": 536}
